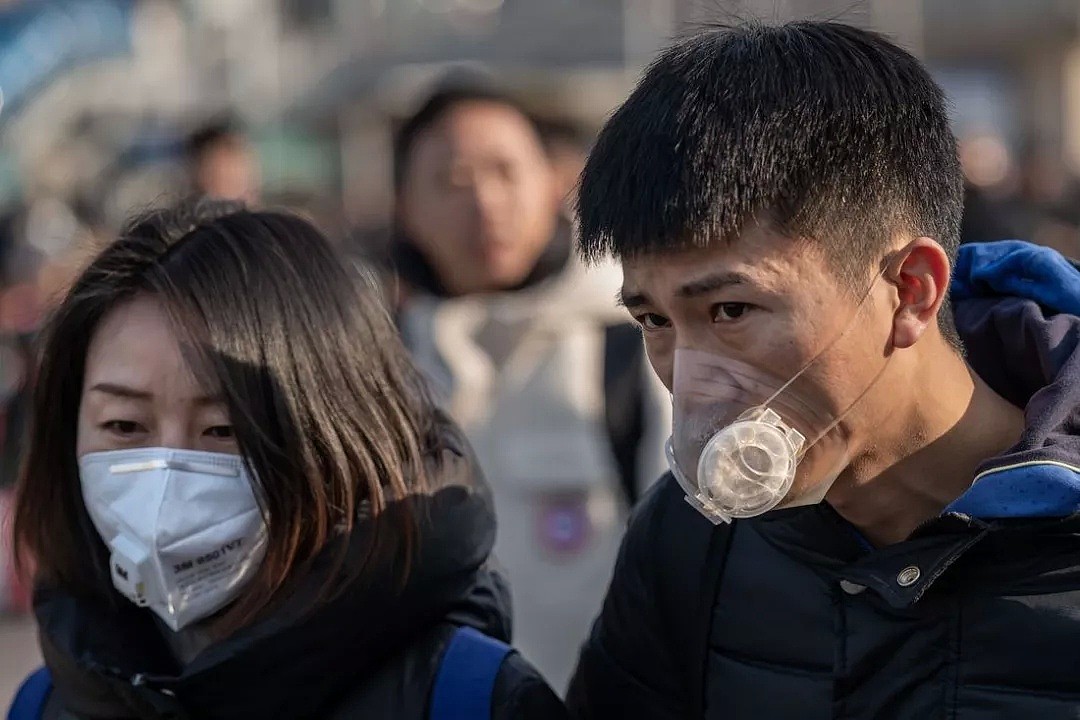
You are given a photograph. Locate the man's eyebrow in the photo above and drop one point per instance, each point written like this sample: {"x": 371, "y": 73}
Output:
{"x": 630, "y": 299}
{"x": 711, "y": 283}
{"x": 700, "y": 286}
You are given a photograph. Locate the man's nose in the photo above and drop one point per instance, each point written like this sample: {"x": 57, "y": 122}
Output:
{"x": 694, "y": 338}
{"x": 487, "y": 196}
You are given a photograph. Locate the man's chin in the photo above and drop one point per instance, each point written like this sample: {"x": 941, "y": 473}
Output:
{"x": 499, "y": 278}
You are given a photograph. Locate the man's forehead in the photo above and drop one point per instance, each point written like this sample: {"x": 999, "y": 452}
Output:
{"x": 479, "y": 124}
{"x": 764, "y": 263}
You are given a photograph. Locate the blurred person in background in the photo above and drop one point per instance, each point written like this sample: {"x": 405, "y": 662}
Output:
{"x": 527, "y": 351}
{"x": 37, "y": 240}
{"x": 18, "y": 321}
{"x": 568, "y": 148}
{"x": 239, "y": 501}
{"x": 991, "y": 211}
{"x": 1033, "y": 197}
{"x": 1051, "y": 195}
{"x": 222, "y": 163}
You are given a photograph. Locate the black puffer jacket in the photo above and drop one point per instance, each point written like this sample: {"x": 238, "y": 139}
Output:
{"x": 793, "y": 615}
{"x": 372, "y": 652}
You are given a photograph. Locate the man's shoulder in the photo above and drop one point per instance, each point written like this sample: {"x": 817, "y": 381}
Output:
{"x": 663, "y": 499}
{"x": 666, "y": 527}
{"x": 665, "y": 580}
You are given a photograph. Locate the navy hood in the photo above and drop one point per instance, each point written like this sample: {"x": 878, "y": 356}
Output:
{"x": 1017, "y": 308}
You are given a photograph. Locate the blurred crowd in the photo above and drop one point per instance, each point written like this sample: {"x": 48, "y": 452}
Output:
{"x": 1019, "y": 193}
{"x": 479, "y": 273}
{"x": 523, "y": 344}
{"x": 440, "y": 145}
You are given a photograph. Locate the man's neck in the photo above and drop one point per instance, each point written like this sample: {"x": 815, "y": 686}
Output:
{"x": 927, "y": 453}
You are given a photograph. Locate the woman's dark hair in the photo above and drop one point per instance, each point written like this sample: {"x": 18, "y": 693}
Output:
{"x": 327, "y": 409}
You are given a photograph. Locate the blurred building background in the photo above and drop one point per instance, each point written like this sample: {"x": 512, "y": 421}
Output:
{"x": 99, "y": 93}
{"x": 100, "y": 96}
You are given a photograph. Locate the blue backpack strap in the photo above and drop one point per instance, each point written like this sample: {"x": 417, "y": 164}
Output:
{"x": 466, "y": 677}
{"x": 30, "y": 700}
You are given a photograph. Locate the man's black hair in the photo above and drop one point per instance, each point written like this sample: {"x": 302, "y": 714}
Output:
{"x": 211, "y": 134}
{"x": 450, "y": 93}
{"x": 822, "y": 130}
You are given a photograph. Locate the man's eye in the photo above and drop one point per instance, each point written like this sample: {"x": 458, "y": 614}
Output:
{"x": 652, "y": 321}
{"x": 730, "y": 312}
{"x": 457, "y": 179}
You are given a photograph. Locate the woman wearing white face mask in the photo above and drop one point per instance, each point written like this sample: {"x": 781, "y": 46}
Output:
{"x": 239, "y": 501}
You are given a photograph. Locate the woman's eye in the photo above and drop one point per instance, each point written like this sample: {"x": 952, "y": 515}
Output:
{"x": 220, "y": 432}
{"x": 121, "y": 427}
{"x": 730, "y": 312}
{"x": 652, "y": 321}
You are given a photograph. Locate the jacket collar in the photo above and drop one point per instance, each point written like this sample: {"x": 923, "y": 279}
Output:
{"x": 1017, "y": 308}
{"x": 418, "y": 274}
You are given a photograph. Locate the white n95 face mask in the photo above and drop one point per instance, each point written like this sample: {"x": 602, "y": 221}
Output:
{"x": 183, "y": 527}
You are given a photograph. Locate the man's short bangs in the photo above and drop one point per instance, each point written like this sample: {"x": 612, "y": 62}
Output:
{"x": 827, "y": 131}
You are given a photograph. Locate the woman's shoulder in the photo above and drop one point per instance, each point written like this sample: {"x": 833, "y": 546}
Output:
{"x": 479, "y": 676}
{"x": 408, "y": 686}
{"x": 521, "y": 692}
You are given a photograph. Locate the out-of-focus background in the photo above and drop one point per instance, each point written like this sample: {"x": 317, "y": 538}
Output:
{"x": 111, "y": 105}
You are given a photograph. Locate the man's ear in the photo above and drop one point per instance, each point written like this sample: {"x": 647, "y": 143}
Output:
{"x": 921, "y": 277}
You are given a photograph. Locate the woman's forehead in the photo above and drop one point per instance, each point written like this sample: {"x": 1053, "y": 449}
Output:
{"x": 136, "y": 347}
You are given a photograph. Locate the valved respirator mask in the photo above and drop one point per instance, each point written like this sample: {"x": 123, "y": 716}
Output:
{"x": 745, "y": 441}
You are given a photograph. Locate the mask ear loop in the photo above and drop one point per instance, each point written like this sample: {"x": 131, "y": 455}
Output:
{"x": 885, "y": 266}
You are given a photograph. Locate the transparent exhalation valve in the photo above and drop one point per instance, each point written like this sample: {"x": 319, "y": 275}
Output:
{"x": 748, "y": 467}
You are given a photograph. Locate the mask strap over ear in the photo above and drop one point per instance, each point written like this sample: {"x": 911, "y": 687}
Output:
{"x": 832, "y": 343}
{"x": 890, "y": 269}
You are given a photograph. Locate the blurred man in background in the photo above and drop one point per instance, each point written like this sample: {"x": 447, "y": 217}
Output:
{"x": 42, "y": 243}
{"x": 568, "y": 149}
{"x": 527, "y": 351}
{"x": 222, "y": 162}
{"x": 1026, "y": 193}
{"x": 20, "y": 311}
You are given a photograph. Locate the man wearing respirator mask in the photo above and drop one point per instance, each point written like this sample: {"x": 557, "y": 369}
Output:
{"x": 861, "y": 520}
